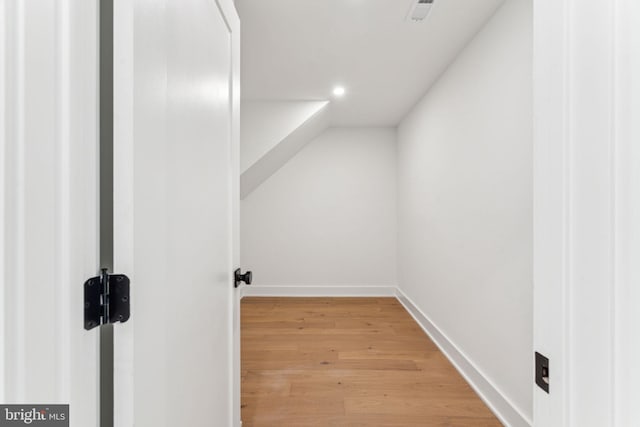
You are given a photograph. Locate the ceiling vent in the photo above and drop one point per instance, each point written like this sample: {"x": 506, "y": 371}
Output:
{"x": 419, "y": 10}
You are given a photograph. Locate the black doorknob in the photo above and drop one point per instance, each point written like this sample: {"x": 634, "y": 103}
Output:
{"x": 239, "y": 277}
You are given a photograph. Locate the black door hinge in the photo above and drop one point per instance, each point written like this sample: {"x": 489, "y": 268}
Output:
{"x": 106, "y": 299}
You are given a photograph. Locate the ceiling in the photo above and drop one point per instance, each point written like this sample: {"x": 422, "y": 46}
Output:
{"x": 301, "y": 49}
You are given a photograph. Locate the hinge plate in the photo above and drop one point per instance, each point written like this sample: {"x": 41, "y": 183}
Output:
{"x": 106, "y": 300}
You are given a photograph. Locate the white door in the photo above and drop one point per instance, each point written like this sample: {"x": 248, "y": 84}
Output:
{"x": 587, "y": 211}
{"x": 48, "y": 203}
{"x": 175, "y": 209}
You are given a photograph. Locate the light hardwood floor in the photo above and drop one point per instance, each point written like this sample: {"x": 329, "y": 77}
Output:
{"x": 347, "y": 362}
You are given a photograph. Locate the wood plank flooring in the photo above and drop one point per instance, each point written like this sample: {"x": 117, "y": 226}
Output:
{"x": 347, "y": 362}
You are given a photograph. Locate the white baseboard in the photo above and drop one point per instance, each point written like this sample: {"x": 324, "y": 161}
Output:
{"x": 501, "y": 406}
{"x": 317, "y": 291}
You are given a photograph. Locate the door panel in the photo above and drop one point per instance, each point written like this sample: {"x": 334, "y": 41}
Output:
{"x": 48, "y": 203}
{"x": 586, "y": 191}
{"x": 174, "y": 212}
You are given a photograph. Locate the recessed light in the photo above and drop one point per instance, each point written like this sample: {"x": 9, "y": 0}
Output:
{"x": 338, "y": 91}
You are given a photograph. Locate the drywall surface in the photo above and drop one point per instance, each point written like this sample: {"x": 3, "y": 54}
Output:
{"x": 283, "y": 151}
{"x": 328, "y": 216}
{"x": 265, "y": 123}
{"x": 465, "y": 203}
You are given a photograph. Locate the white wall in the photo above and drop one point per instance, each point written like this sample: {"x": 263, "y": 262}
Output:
{"x": 265, "y": 123}
{"x": 328, "y": 216}
{"x": 465, "y": 203}
{"x": 275, "y": 131}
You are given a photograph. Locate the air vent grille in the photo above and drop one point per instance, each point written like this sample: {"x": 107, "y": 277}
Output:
{"x": 419, "y": 10}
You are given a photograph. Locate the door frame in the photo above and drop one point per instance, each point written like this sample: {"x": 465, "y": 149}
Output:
{"x": 586, "y": 210}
